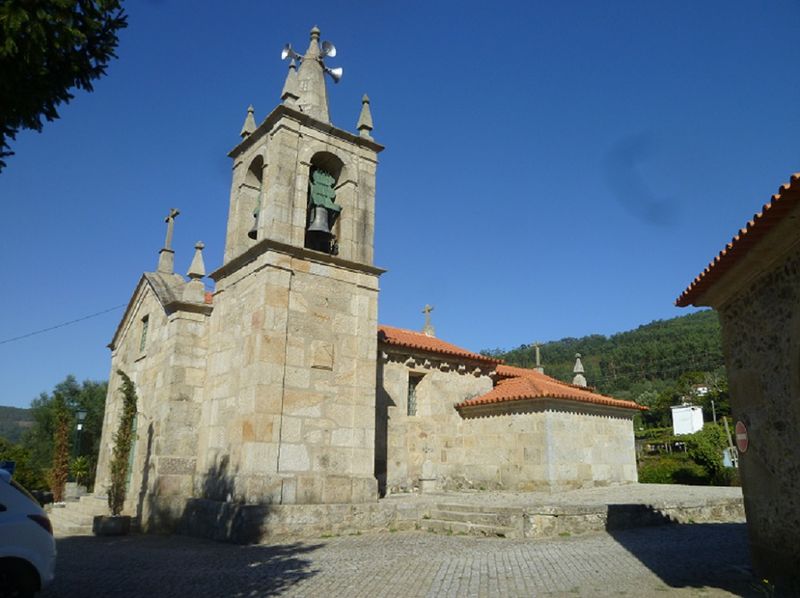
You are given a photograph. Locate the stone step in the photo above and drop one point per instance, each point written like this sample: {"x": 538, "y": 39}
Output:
{"x": 466, "y": 508}
{"x": 471, "y": 529}
{"x": 92, "y": 502}
{"x": 71, "y": 530}
{"x": 500, "y": 519}
{"x": 62, "y": 515}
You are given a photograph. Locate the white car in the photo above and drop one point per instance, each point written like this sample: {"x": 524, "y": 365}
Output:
{"x": 27, "y": 546}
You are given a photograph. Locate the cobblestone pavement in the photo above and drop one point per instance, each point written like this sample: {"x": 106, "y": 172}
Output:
{"x": 681, "y": 560}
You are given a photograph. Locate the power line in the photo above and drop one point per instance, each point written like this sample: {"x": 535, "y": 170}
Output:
{"x": 35, "y": 332}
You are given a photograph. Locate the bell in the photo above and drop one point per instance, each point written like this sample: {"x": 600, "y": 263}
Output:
{"x": 253, "y": 232}
{"x": 319, "y": 221}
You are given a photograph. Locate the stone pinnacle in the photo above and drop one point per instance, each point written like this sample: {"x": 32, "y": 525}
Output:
{"x": 197, "y": 269}
{"x": 249, "y": 123}
{"x": 364, "y": 125}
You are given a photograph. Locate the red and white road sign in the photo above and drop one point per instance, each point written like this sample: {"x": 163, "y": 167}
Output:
{"x": 742, "y": 441}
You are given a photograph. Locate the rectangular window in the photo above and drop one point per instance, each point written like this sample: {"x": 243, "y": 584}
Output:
{"x": 143, "y": 340}
{"x": 413, "y": 382}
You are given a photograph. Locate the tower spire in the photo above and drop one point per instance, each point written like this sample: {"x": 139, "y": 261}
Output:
{"x": 313, "y": 98}
{"x": 309, "y": 83}
{"x": 364, "y": 125}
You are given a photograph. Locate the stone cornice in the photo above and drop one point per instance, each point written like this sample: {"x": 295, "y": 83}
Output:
{"x": 418, "y": 359}
{"x": 299, "y": 252}
{"x": 197, "y": 308}
{"x": 282, "y": 111}
{"x": 538, "y": 405}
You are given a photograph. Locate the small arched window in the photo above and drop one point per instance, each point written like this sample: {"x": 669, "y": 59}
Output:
{"x": 253, "y": 186}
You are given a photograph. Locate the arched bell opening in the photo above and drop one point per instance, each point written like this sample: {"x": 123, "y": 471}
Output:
{"x": 322, "y": 210}
{"x": 253, "y": 186}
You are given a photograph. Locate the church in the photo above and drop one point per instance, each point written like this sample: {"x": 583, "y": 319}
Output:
{"x": 279, "y": 386}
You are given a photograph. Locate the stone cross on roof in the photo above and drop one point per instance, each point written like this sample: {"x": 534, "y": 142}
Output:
{"x": 170, "y": 220}
{"x": 166, "y": 257}
{"x": 428, "y": 328}
{"x": 538, "y": 367}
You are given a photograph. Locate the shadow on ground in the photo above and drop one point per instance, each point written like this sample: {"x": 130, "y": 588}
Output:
{"x": 175, "y": 566}
{"x": 696, "y": 555}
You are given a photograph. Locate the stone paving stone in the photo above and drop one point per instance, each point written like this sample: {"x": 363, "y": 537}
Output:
{"x": 680, "y": 560}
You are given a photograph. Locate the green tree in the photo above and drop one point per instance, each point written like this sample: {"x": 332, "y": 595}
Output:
{"x": 26, "y": 474}
{"x": 47, "y": 48}
{"x": 60, "y": 469}
{"x": 88, "y": 396}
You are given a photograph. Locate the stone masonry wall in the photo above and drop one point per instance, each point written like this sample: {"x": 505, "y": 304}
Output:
{"x": 406, "y": 442}
{"x": 548, "y": 445}
{"x": 761, "y": 338}
{"x": 168, "y": 374}
{"x": 289, "y": 411}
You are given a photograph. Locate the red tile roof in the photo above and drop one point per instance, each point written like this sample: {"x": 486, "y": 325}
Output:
{"x": 410, "y": 339}
{"x": 787, "y": 198}
{"x": 515, "y": 384}
{"x": 520, "y": 384}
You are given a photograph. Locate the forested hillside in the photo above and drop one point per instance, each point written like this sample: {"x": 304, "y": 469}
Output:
{"x": 654, "y": 364}
{"x": 13, "y": 422}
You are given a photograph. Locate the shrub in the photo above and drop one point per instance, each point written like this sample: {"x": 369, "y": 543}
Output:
{"x": 672, "y": 469}
{"x": 80, "y": 469}
{"x": 705, "y": 448}
{"x": 123, "y": 441}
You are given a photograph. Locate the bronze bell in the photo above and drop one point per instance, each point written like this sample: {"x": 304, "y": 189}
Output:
{"x": 253, "y": 232}
{"x": 319, "y": 220}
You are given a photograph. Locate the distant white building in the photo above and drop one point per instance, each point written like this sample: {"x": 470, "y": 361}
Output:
{"x": 686, "y": 419}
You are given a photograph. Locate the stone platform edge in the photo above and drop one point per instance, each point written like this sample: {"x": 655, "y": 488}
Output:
{"x": 248, "y": 524}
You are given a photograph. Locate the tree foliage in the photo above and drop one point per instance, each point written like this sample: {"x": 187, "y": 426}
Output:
{"x": 88, "y": 396}
{"x": 123, "y": 441}
{"x": 26, "y": 473}
{"x": 47, "y": 48}
{"x": 13, "y": 421}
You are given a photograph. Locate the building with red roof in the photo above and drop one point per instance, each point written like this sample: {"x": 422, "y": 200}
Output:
{"x": 754, "y": 285}
{"x": 448, "y": 418}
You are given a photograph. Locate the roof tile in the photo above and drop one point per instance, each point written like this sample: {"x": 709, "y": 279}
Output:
{"x": 410, "y": 339}
{"x": 521, "y": 384}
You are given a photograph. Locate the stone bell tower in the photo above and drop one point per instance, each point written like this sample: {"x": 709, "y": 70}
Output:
{"x": 290, "y": 386}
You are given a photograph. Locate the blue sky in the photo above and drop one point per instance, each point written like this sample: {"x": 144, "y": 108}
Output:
{"x": 551, "y": 169}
